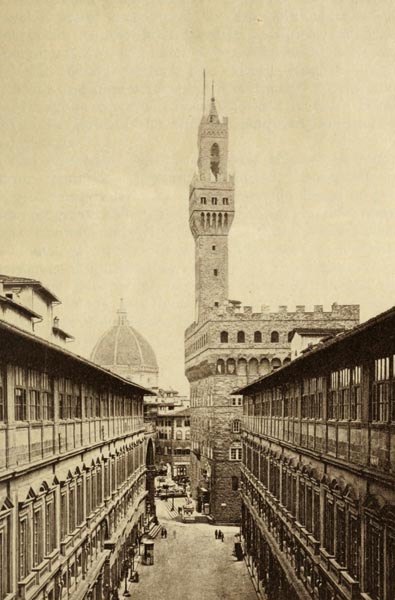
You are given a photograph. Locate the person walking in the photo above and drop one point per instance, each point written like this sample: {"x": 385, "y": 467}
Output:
{"x": 216, "y": 534}
{"x": 222, "y": 536}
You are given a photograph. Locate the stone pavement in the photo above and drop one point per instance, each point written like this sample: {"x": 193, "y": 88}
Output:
{"x": 192, "y": 565}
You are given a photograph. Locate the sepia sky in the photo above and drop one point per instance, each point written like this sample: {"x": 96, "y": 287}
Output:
{"x": 99, "y": 107}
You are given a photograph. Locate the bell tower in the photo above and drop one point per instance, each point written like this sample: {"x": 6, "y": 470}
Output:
{"x": 211, "y": 211}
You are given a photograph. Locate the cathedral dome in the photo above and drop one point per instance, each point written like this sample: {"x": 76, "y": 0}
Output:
{"x": 126, "y": 352}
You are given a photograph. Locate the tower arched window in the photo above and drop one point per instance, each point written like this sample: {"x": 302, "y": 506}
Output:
{"x": 225, "y": 219}
{"x": 241, "y": 337}
{"x": 231, "y": 366}
{"x": 274, "y": 337}
{"x": 214, "y": 162}
{"x": 202, "y": 219}
{"x": 224, "y": 337}
{"x": 220, "y": 220}
{"x": 208, "y": 219}
{"x": 258, "y": 337}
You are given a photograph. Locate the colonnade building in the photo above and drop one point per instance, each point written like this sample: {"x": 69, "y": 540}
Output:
{"x": 318, "y": 470}
{"x": 74, "y": 458}
{"x": 228, "y": 345}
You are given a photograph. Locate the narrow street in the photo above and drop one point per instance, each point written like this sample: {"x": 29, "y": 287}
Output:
{"x": 192, "y": 564}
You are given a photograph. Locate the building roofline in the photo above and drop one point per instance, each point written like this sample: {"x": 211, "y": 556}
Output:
{"x": 30, "y": 337}
{"x": 20, "y": 307}
{"x": 25, "y": 281}
{"x": 322, "y": 347}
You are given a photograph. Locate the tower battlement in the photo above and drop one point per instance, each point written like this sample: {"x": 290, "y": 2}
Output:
{"x": 230, "y": 312}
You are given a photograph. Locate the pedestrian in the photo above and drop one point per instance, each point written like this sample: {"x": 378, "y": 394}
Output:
{"x": 174, "y": 533}
{"x": 219, "y": 534}
{"x": 222, "y": 536}
{"x": 162, "y": 532}
{"x": 165, "y": 533}
{"x": 216, "y": 534}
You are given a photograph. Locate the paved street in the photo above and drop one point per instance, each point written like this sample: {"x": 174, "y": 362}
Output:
{"x": 192, "y": 564}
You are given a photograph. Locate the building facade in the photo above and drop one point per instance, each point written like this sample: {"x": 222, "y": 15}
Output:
{"x": 169, "y": 417}
{"x": 228, "y": 345}
{"x": 173, "y": 444}
{"x": 28, "y": 304}
{"x": 318, "y": 473}
{"x": 74, "y": 459}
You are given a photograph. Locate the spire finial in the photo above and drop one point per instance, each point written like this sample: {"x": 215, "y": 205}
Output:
{"x": 121, "y": 313}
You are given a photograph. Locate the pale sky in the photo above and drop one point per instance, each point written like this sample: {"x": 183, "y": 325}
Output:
{"x": 99, "y": 107}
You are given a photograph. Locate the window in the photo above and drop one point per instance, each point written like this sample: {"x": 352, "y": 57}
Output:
{"x": 235, "y": 453}
{"x": 236, "y": 426}
{"x": 50, "y": 525}
{"x": 47, "y": 406}
{"x": 329, "y": 522}
{"x": 355, "y": 400}
{"x": 374, "y": 562}
{"x": 241, "y": 338}
{"x": 214, "y": 200}
{"x": 37, "y": 537}
{"x": 35, "y": 405}
{"x": 257, "y": 337}
{"x": 235, "y": 483}
{"x": 63, "y": 514}
{"x": 354, "y": 545}
{"x": 215, "y": 272}
{"x": 23, "y": 548}
{"x": 187, "y": 435}
{"x": 178, "y": 435}
{"x": 20, "y": 404}
{"x": 379, "y": 408}
{"x": 340, "y": 535}
{"x": 274, "y": 337}
{"x": 316, "y": 517}
{"x": 203, "y": 200}
{"x": 290, "y": 334}
{"x": 237, "y": 400}
{"x": 4, "y": 555}
{"x": 225, "y": 201}
{"x": 71, "y": 509}
{"x": 224, "y": 337}
{"x": 213, "y": 248}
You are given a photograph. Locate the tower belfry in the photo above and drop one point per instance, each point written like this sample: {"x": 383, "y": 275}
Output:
{"x": 211, "y": 211}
